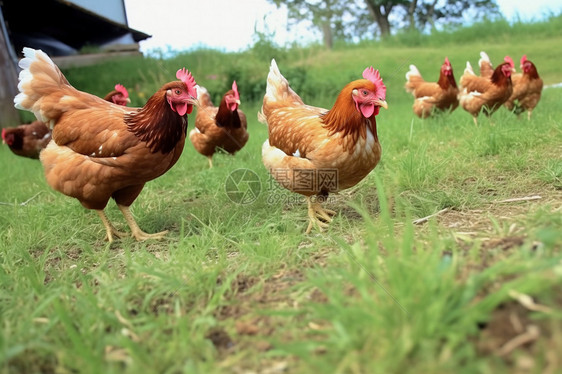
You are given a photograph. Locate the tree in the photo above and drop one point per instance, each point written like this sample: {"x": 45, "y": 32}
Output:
{"x": 411, "y": 14}
{"x": 349, "y": 19}
{"x": 380, "y": 11}
{"x": 430, "y": 13}
{"x": 326, "y": 15}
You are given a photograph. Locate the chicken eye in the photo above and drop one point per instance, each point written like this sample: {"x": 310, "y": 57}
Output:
{"x": 178, "y": 92}
{"x": 365, "y": 93}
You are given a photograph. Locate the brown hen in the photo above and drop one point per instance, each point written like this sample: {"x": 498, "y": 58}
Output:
{"x": 219, "y": 128}
{"x": 430, "y": 96}
{"x": 314, "y": 151}
{"x": 101, "y": 150}
{"x": 527, "y": 89}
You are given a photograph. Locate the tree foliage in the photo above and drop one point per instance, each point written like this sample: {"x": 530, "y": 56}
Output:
{"x": 328, "y": 16}
{"x": 380, "y": 12}
{"x": 351, "y": 19}
{"x": 432, "y": 13}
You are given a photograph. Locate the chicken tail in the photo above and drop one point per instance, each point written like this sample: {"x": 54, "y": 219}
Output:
{"x": 276, "y": 82}
{"x": 261, "y": 117}
{"x": 468, "y": 69}
{"x": 278, "y": 88}
{"x": 38, "y": 78}
{"x": 203, "y": 96}
{"x": 413, "y": 72}
{"x": 484, "y": 59}
{"x": 413, "y": 78}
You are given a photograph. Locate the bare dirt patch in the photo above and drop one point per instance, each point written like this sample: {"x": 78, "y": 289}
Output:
{"x": 524, "y": 342}
{"x": 500, "y": 225}
{"x": 480, "y": 221}
{"x": 520, "y": 337}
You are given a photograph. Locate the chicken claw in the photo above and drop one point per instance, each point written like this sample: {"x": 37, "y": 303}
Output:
{"x": 109, "y": 228}
{"x": 317, "y": 215}
{"x": 142, "y": 236}
{"x": 135, "y": 229}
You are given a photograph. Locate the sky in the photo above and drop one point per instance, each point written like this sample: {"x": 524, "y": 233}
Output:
{"x": 230, "y": 25}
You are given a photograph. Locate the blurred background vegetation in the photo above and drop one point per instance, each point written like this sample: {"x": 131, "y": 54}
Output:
{"x": 310, "y": 69}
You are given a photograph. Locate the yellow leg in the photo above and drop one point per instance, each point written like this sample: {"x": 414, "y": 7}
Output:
{"x": 210, "y": 158}
{"x": 315, "y": 213}
{"x": 109, "y": 229}
{"x": 135, "y": 229}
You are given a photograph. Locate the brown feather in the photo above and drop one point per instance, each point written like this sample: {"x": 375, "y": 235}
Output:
{"x": 100, "y": 149}
{"x": 344, "y": 118}
{"x": 225, "y": 117}
{"x": 312, "y": 139}
{"x": 493, "y": 92}
{"x": 156, "y": 124}
{"x": 27, "y": 140}
{"x": 218, "y": 128}
{"x": 430, "y": 96}
{"x": 527, "y": 90}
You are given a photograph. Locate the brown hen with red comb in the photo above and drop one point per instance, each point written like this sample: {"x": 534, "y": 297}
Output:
{"x": 222, "y": 128}
{"x": 102, "y": 151}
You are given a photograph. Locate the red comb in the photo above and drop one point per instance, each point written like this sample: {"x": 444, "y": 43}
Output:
{"x": 122, "y": 89}
{"x": 447, "y": 61}
{"x": 3, "y": 134}
{"x": 235, "y": 89}
{"x": 185, "y": 76}
{"x": 523, "y": 59}
{"x": 374, "y": 76}
{"x": 509, "y": 60}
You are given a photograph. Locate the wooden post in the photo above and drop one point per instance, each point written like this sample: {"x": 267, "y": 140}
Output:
{"x": 9, "y": 115}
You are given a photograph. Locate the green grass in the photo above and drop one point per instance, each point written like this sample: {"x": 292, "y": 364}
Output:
{"x": 237, "y": 288}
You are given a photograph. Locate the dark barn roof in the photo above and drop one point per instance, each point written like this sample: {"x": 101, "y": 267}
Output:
{"x": 59, "y": 27}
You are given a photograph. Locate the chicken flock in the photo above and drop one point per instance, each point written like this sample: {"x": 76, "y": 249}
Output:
{"x": 95, "y": 150}
{"x": 486, "y": 92}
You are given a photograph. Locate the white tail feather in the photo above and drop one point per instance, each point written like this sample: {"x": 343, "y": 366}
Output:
{"x": 25, "y": 76}
{"x": 28, "y": 98}
{"x": 413, "y": 71}
{"x": 484, "y": 58}
{"x": 201, "y": 91}
{"x": 468, "y": 69}
{"x": 275, "y": 80}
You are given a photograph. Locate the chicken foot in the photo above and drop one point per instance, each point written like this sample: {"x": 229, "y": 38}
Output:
{"x": 109, "y": 228}
{"x": 317, "y": 215}
{"x": 135, "y": 229}
{"x": 210, "y": 158}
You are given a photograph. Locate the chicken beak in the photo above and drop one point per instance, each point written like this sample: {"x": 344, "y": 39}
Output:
{"x": 381, "y": 103}
{"x": 193, "y": 101}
